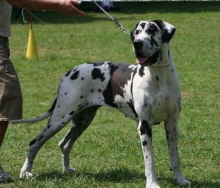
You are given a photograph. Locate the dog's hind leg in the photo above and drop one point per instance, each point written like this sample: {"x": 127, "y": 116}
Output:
{"x": 171, "y": 128}
{"x": 79, "y": 124}
{"x": 54, "y": 125}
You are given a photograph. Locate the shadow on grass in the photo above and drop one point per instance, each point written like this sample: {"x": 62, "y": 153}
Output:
{"x": 114, "y": 175}
{"x": 120, "y": 175}
{"x": 205, "y": 185}
{"x": 194, "y": 184}
{"x": 125, "y": 8}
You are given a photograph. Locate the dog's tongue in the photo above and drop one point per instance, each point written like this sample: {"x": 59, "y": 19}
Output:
{"x": 141, "y": 60}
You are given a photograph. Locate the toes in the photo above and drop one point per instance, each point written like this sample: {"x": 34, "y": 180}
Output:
{"x": 71, "y": 170}
{"x": 183, "y": 181}
{"x": 25, "y": 175}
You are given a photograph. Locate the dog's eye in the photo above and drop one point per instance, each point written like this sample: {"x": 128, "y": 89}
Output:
{"x": 137, "y": 32}
{"x": 150, "y": 31}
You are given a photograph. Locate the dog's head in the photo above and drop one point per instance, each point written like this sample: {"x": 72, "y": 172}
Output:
{"x": 148, "y": 38}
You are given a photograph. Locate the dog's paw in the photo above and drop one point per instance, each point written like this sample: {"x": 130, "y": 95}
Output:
{"x": 183, "y": 182}
{"x": 153, "y": 186}
{"x": 25, "y": 175}
{"x": 71, "y": 170}
{"x": 180, "y": 179}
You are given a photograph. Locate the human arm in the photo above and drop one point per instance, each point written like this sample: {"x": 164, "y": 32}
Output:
{"x": 66, "y": 7}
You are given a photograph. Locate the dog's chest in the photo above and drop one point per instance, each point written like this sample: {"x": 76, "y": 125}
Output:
{"x": 157, "y": 93}
{"x": 161, "y": 103}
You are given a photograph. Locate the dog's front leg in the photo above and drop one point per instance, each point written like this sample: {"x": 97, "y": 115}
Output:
{"x": 145, "y": 133}
{"x": 171, "y": 128}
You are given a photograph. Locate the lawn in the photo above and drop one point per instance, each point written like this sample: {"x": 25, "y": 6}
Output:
{"x": 109, "y": 153}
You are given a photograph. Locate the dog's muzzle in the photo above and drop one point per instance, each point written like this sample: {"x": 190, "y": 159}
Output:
{"x": 138, "y": 44}
{"x": 140, "y": 58}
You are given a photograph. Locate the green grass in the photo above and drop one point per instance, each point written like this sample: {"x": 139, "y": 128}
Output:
{"x": 109, "y": 154}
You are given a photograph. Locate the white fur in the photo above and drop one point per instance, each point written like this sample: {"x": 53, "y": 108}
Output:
{"x": 148, "y": 93}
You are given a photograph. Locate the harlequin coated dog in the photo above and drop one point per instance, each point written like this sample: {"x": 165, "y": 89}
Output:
{"x": 148, "y": 93}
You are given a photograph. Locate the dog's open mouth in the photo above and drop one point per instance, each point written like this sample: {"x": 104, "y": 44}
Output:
{"x": 146, "y": 61}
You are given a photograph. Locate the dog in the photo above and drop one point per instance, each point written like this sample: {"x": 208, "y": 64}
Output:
{"x": 148, "y": 93}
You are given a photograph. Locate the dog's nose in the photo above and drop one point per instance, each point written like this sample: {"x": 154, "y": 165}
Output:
{"x": 137, "y": 44}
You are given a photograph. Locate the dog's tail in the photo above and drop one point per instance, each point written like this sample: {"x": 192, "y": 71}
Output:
{"x": 32, "y": 120}
{"x": 38, "y": 118}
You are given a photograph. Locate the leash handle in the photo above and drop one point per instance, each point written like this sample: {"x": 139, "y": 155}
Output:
{"x": 113, "y": 19}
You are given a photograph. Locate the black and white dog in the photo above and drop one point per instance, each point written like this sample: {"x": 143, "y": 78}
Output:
{"x": 148, "y": 93}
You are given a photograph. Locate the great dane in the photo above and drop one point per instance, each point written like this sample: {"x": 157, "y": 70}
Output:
{"x": 148, "y": 93}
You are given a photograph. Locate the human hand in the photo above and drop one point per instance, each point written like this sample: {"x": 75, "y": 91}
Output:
{"x": 67, "y": 7}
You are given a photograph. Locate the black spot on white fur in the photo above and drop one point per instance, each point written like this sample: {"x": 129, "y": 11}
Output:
{"x": 146, "y": 129}
{"x": 75, "y": 75}
{"x": 67, "y": 74}
{"x": 71, "y": 113}
{"x": 120, "y": 86}
{"x": 96, "y": 74}
{"x": 141, "y": 71}
{"x": 144, "y": 143}
{"x": 143, "y": 24}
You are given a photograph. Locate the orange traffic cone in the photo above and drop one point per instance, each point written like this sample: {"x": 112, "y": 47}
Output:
{"x": 32, "y": 47}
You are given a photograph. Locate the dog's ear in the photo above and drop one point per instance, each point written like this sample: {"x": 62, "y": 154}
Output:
{"x": 168, "y": 32}
{"x": 167, "y": 29}
{"x": 132, "y": 32}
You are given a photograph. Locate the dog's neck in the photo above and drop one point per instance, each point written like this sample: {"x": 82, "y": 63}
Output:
{"x": 165, "y": 58}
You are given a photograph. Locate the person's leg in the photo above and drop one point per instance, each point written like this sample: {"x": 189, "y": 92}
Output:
{"x": 3, "y": 130}
{"x": 10, "y": 96}
{"x": 4, "y": 177}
